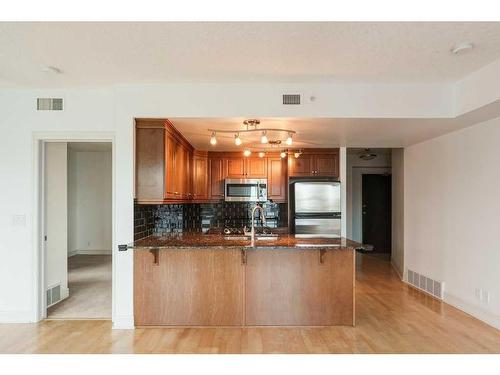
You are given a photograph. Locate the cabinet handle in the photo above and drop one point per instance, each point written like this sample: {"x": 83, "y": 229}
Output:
{"x": 322, "y": 256}
{"x": 156, "y": 255}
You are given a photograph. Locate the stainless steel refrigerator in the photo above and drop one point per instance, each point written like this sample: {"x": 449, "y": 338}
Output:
{"x": 316, "y": 208}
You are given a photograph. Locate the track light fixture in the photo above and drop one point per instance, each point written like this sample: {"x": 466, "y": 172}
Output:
{"x": 237, "y": 139}
{"x": 213, "y": 140}
{"x": 252, "y": 125}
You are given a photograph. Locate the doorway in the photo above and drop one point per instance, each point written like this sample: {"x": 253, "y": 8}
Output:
{"x": 376, "y": 211}
{"x": 77, "y": 230}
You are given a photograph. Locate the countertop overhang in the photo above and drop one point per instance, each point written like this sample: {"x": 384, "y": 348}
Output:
{"x": 217, "y": 241}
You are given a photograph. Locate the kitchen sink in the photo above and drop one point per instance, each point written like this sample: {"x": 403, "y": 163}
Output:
{"x": 258, "y": 237}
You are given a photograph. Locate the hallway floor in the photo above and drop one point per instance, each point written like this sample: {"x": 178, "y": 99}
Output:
{"x": 89, "y": 282}
{"x": 390, "y": 318}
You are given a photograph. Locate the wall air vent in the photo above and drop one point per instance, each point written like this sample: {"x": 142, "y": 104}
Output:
{"x": 53, "y": 295}
{"x": 49, "y": 104}
{"x": 291, "y": 99}
{"x": 426, "y": 284}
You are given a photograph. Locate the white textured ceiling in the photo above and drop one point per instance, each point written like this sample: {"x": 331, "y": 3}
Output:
{"x": 97, "y": 54}
{"x": 320, "y": 132}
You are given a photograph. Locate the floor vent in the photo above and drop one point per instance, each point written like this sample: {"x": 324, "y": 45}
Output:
{"x": 49, "y": 104}
{"x": 426, "y": 284}
{"x": 291, "y": 99}
{"x": 53, "y": 295}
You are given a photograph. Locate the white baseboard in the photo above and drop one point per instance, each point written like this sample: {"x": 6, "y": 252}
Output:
{"x": 477, "y": 312}
{"x": 93, "y": 252}
{"x": 16, "y": 317}
{"x": 123, "y": 322}
{"x": 72, "y": 253}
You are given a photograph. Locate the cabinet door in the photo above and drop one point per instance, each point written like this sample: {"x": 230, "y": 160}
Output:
{"x": 300, "y": 287}
{"x": 276, "y": 179}
{"x": 170, "y": 175}
{"x": 202, "y": 287}
{"x": 147, "y": 304}
{"x": 235, "y": 167}
{"x": 326, "y": 165}
{"x": 301, "y": 166}
{"x": 256, "y": 168}
{"x": 149, "y": 164}
{"x": 200, "y": 177}
{"x": 217, "y": 176}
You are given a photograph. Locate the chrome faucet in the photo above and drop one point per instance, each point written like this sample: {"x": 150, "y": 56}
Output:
{"x": 262, "y": 217}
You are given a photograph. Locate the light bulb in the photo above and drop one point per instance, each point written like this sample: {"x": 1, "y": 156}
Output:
{"x": 247, "y": 152}
{"x": 264, "y": 139}
{"x": 213, "y": 140}
{"x": 283, "y": 154}
{"x": 262, "y": 154}
{"x": 296, "y": 154}
{"x": 289, "y": 140}
{"x": 237, "y": 140}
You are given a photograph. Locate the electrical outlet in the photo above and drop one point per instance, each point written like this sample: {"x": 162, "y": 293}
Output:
{"x": 19, "y": 220}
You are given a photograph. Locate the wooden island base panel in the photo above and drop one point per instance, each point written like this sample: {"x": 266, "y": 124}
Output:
{"x": 241, "y": 286}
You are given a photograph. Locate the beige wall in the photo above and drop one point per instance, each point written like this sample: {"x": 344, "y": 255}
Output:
{"x": 452, "y": 216}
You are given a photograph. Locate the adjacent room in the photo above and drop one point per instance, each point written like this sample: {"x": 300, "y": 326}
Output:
{"x": 78, "y": 230}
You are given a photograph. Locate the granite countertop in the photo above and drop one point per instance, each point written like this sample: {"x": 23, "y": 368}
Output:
{"x": 218, "y": 241}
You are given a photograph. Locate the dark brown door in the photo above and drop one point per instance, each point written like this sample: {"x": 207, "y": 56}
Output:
{"x": 376, "y": 211}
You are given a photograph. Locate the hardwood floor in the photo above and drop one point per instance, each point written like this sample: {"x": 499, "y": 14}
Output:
{"x": 390, "y": 318}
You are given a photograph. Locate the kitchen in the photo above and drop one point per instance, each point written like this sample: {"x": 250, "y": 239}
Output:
{"x": 238, "y": 235}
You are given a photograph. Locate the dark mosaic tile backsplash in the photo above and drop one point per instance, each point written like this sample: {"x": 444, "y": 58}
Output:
{"x": 171, "y": 218}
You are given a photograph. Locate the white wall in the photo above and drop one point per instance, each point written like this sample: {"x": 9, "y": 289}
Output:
{"x": 111, "y": 110}
{"x": 452, "y": 215}
{"x": 56, "y": 246}
{"x": 355, "y": 168}
{"x": 89, "y": 202}
{"x": 397, "y": 167}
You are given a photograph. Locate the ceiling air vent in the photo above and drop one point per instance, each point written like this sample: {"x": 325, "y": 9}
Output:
{"x": 291, "y": 99}
{"x": 49, "y": 104}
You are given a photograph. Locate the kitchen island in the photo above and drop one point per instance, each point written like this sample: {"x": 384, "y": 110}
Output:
{"x": 196, "y": 279}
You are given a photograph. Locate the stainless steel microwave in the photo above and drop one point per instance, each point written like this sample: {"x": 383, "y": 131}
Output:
{"x": 245, "y": 190}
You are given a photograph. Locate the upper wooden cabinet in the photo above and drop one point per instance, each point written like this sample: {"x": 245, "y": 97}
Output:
{"x": 315, "y": 163}
{"x": 163, "y": 163}
{"x": 276, "y": 179}
{"x": 217, "y": 174}
{"x": 149, "y": 161}
{"x": 200, "y": 176}
{"x": 243, "y": 167}
{"x": 178, "y": 173}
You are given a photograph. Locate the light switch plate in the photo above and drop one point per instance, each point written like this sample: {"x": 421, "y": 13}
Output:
{"x": 19, "y": 220}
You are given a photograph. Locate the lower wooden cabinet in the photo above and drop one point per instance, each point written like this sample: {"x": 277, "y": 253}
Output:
{"x": 189, "y": 287}
{"x": 300, "y": 287}
{"x": 226, "y": 287}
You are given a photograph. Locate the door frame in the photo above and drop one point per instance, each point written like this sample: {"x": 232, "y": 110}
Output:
{"x": 357, "y": 195}
{"x": 39, "y": 141}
